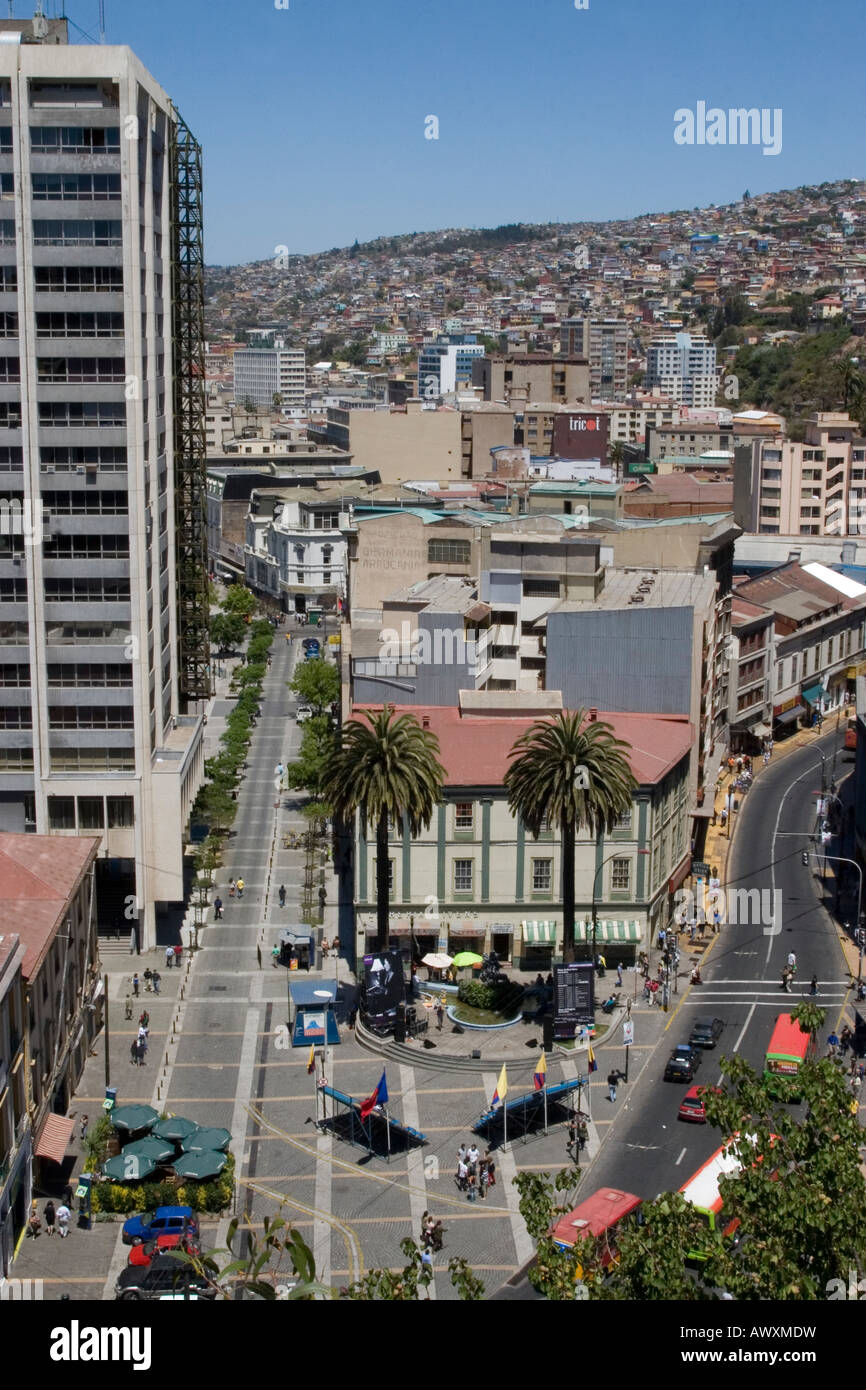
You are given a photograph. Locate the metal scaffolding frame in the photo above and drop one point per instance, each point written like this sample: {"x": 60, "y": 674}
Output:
{"x": 190, "y": 450}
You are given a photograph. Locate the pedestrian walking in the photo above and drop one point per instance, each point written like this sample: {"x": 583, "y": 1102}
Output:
{"x": 64, "y": 1216}
{"x": 491, "y": 1170}
{"x": 440, "y": 1017}
{"x": 148, "y": 979}
{"x": 142, "y": 1033}
{"x": 156, "y": 981}
{"x": 178, "y": 956}
{"x": 127, "y": 1008}
{"x": 50, "y": 1217}
{"x": 461, "y": 1154}
{"x": 845, "y": 1039}
{"x": 240, "y": 887}
{"x": 218, "y": 909}
{"x": 169, "y": 957}
{"x": 133, "y": 1052}
{"x": 662, "y": 938}
{"x": 612, "y": 1083}
{"x": 471, "y": 1186}
{"x": 85, "y": 1120}
{"x": 136, "y": 985}
{"x": 275, "y": 955}
{"x": 141, "y": 1049}
{"x": 856, "y": 1084}
{"x": 283, "y": 903}
{"x": 34, "y": 1224}
{"x": 144, "y": 1021}
{"x": 619, "y": 975}
{"x": 813, "y": 987}
{"x": 792, "y": 961}
{"x": 231, "y": 887}
{"x": 462, "y": 1178}
{"x": 717, "y": 921}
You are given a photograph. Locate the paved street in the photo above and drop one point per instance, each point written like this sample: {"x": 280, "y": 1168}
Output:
{"x": 650, "y": 1150}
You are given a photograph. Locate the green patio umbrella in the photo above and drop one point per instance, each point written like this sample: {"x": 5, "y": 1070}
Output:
{"x": 128, "y": 1167}
{"x": 467, "y": 958}
{"x": 200, "y": 1165}
{"x": 134, "y": 1117}
{"x": 160, "y": 1150}
{"x": 175, "y": 1128}
{"x": 205, "y": 1139}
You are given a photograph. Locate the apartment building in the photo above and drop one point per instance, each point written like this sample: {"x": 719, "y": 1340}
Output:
{"x": 690, "y": 443}
{"x": 296, "y": 545}
{"x": 91, "y": 443}
{"x": 604, "y": 343}
{"x": 819, "y": 638}
{"x": 51, "y": 1008}
{"x": 16, "y": 1141}
{"x": 260, "y": 374}
{"x": 445, "y": 365}
{"x": 495, "y": 887}
{"x": 683, "y": 366}
{"x": 751, "y": 685}
{"x": 533, "y": 377}
{"x": 816, "y": 487}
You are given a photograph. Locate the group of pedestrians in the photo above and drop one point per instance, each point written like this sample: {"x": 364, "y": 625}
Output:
{"x": 56, "y": 1218}
{"x": 138, "y": 1050}
{"x": 236, "y": 886}
{"x": 432, "y": 1233}
{"x": 474, "y": 1174}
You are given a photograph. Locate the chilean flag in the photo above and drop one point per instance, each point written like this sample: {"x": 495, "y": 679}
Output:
{"x": 379, "y": 1097}
{"x": 540, "y": 1076}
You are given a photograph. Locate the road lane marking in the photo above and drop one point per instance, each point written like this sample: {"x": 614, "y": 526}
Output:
{"x": 744, "y": 1027}
{"x": 681, "y": 1157}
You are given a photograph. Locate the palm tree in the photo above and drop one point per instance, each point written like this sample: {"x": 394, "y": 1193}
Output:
{"x": 617, "y": 454}
{"x": 386, "y": 770}
{"x": 570, "y": 770}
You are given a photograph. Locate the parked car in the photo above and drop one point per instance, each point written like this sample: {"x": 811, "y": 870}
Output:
{"x": 682, "y": 1063}
{"x": 164, "y": 1277}
{"x": 692, "y": 1104}
{"x": 141, "y": 1255}
{"x": 706, "y": 1032}
{"x": 303, "y": 713}
{"x": 164, "y": 1221}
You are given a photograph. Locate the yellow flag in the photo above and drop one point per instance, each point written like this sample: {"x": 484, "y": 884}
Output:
{"x": 501, "y": 1087}
{"x": 311, "y": 1060}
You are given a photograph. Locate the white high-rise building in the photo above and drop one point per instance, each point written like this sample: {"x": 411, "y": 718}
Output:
{"x": 92, "y": 738}
{"x": 683, "y": 367}
{"x": 262, "y": 373}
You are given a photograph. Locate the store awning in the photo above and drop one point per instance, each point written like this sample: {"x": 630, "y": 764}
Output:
{"x": 761, "y": 730}
{"x": 610, "y": 931}
{"x": 539, "y": 933}
{"x": 705, "y": 811}
{"x": 814, "y": 694}
{"x": 789, "y": 715}
{"x": 53, "y": 1138}
{"x": 465, "y": 929}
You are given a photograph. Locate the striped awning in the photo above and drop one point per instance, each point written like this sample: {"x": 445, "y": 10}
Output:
{"x": 539, "y": 933}
{"x": 54, "y": 1137}
{"x": 610, "y": 931}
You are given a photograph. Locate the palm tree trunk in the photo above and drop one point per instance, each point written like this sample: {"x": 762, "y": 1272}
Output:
{"x": 568, "y": 891}
{"x": 382, "y": 893}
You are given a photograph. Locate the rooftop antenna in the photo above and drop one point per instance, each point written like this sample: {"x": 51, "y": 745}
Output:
{"x": 40, "y": 23}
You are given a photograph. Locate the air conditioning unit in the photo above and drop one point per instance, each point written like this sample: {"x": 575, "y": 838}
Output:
{"x": 49, "y": 468}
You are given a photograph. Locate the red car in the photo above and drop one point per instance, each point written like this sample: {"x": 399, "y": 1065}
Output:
{"x": 692, "y": 1104}
{"x": 141, "y": 1255}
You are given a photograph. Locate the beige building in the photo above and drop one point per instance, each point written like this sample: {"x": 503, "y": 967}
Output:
{"x": 391, "y": 552}
{"x": 476, "y": 880}
{"x": 813, "y": 488}
{"x": 533, "y": 377}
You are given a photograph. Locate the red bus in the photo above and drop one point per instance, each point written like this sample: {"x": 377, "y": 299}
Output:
{"x": 789, "y": 1048}
{"x": 600, "y": 1215}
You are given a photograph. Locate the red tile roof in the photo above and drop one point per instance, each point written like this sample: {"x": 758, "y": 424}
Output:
{"x": 39, "y": 875}
{"x": 474, "y": 748}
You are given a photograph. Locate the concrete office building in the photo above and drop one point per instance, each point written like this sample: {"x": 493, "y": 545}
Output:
{"x": 262, "y": 373}
{"x": 97, "y": 463}
{"x": 683, "y": 366}
{"x": 533, "y": 376}
{"x": 604, "y": 342}
{"x": 813, "y": 488}
{"x": 446, "y": 365}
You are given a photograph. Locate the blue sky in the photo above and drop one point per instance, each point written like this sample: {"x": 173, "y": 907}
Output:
{"x": 312, "y": 117}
